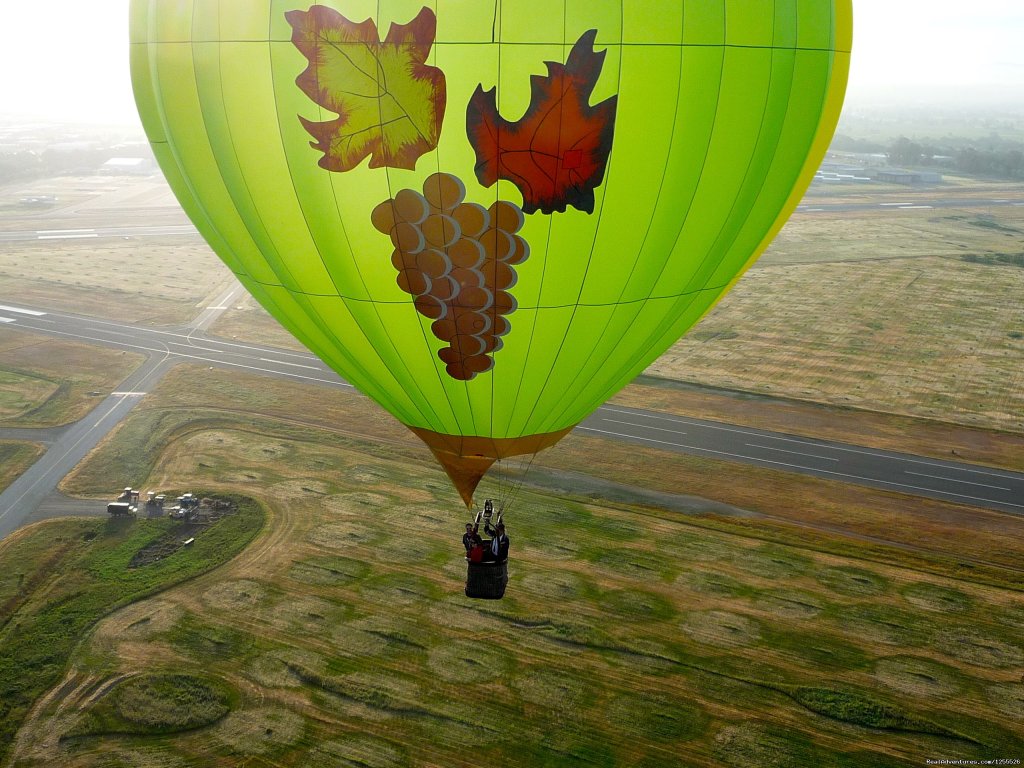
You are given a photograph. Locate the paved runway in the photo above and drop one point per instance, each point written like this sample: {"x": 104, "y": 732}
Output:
{"x": 905, "y": 473}
{"x": 946, "y": 480}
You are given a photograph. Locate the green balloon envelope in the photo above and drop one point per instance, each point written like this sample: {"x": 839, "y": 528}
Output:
{"x": 489, "y": 217}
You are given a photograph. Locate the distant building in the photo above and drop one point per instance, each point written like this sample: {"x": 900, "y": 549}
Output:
{"x": 901, "y": 176}
{"x": 128, "y": 166}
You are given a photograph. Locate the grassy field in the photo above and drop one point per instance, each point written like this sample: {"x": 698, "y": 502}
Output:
{"x": 930, "y": 337}
{"x": 15, "y": 457}
{"x": 872, "y": 235}
{"x": 631, "y": 635}
{"x": 168, "y": 280}
{"x": 913, "y": 312}
{"x": 47, "y": 382}
{"x": 59, "y": 578}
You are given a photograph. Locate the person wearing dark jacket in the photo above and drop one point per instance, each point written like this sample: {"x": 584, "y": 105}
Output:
{"x": 497, "y": 548}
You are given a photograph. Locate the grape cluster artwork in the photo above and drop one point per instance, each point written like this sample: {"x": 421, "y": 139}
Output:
{"x": 456, "y": 259}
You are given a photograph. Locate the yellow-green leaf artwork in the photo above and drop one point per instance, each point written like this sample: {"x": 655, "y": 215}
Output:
{"x": 489, "y": 216}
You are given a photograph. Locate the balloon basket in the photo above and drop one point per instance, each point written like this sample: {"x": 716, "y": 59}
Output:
{"x": 487, "y": 580}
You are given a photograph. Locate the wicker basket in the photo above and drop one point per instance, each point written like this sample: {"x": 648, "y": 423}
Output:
{"x": 486, "y": 580}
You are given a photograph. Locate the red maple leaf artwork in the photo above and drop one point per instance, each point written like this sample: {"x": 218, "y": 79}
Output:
{"x": 557, "y": 152}
{"x": 389, "y": 102}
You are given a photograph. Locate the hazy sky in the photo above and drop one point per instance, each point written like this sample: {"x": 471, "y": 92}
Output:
{"x": 67, "y": 59}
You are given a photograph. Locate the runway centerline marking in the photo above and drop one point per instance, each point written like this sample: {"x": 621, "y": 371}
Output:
{"x": 641, "y": 426}
{"x": 795, "y": 453}
{"x": 294, "y": 365}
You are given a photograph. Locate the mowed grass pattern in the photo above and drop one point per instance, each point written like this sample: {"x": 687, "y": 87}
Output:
{"x": 628, "y": 637}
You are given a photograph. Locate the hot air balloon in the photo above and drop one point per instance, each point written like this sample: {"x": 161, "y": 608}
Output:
{"x": 489, "y": 216}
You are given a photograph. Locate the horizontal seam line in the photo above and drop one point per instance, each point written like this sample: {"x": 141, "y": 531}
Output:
{"x": 520, "y": 306}
{"x": 559, "y": 43}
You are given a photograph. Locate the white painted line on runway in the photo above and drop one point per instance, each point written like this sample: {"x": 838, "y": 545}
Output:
{"x": 641, "y": 426}
{"x": 294, "y": 365}
{"x": 953, "y": 480}
{"x": 65, "y": 237}
{"x": 999, "y": 200}
{"x": 21, "y": 311}
{"x": 6, "y": 319}
{"x": 888, "y": 204}
{"x": 811, "y": 210}
{"x": 62, "y": 231}
{"x": 178, "y": 335}
{"x": 129, "y": 394}
{"x": 872, "y": 480}
{"x": 795, "y": 453}
{"x": 916, "y": 207}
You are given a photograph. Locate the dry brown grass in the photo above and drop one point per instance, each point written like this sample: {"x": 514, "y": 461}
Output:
{"x": 56, "y": 381}
{"x": 827, "y": 236}
{"x": 929, "y": 337}
{"x": 146, "y": 280}
{"x": 20, "y": 392}
{"x": 15, "y": 457}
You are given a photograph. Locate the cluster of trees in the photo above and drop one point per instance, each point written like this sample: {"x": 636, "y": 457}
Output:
{"x": 988, "y": 156}
{"x": 1008, "y": 163}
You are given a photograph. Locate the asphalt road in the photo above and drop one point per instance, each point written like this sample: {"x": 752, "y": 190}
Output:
{"x": 905, "y": 473}
{"x": 21, "y": 498}
{"x": 945, "y": 480}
